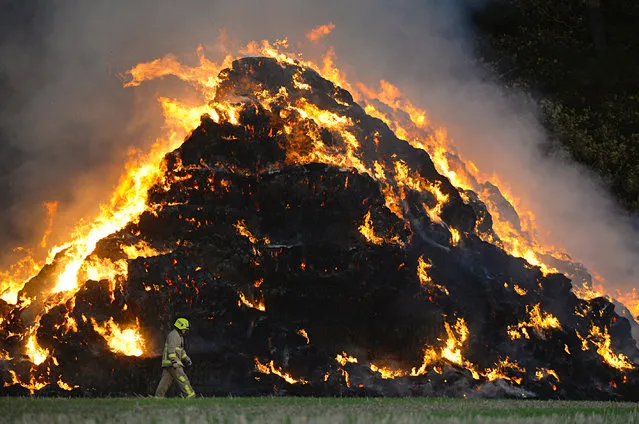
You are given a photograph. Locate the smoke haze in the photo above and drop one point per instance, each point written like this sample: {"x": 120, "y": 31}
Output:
{"x": 67, "y": 124}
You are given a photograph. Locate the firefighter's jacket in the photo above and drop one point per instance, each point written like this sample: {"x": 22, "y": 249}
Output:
{"x": 174, "y": 352}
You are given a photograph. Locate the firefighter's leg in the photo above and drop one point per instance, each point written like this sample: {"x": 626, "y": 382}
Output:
{"x": 165, "y": 383}
{"x": 183, "y": 381}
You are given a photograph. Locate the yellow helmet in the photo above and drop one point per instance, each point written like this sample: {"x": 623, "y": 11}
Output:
{"x": 182, "y": 324}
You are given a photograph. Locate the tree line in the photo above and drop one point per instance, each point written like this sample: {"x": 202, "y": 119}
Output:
{"x": 580, "y": 59}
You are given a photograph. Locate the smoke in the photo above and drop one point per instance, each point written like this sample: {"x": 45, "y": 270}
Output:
{"x": 68, "y": 125}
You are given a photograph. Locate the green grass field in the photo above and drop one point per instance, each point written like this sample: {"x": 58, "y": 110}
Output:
{"x": 311, "y": 410}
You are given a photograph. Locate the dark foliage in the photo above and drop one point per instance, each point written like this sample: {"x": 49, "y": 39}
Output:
{"x": 582, "y": 58}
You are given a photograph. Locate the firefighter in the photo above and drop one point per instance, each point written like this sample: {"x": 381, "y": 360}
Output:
{"x": 174, "y": 359}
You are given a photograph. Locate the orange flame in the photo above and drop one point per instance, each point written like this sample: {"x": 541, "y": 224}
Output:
{"x": 65, "y": 386}
{"x": 601, "y": 340}
{"x": 320, "y": 32}
{"x": 129, "y": 198}
{"x": 240, "y": 226}
{"x": 425, "y": 279}
{"x": 36, "y": 354}
{"x": 386, "y": 372}
{"x": 51, "y": 207}
{"x": 519, "y": 290}
{"x": 500, "y": 369}
{"x": 13, "y": 280}
{"x": 33, "y": 385}
{"x": 630, "y": 300}
{"x": 455, "y": 236}
{"x": 542, "y": 373}
{"x": 344, "y": 358}
{"x": 451, "y": 352}
{"x": 367, "y": 230}
{"x": 304, "y": 334}
{"x": 140, "y": 250}
{"x": 127, "y": 341}
{"x": 259, "y": 305}
{"x": 271, "y": 369}
{"x": 538, "y": 321}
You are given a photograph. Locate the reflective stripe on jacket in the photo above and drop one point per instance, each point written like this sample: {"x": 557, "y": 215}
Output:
{"x": 174, "y": 352}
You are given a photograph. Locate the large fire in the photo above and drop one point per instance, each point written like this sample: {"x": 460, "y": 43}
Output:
{"x": 75, "y": 262}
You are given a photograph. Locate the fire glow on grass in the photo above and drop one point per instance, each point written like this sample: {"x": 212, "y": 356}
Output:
{"x": 387, "y": 103}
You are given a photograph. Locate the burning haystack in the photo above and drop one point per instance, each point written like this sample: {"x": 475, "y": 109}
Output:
{"x": 315, "y": 252}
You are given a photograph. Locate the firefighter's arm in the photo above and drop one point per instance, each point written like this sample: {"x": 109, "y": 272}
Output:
{"x": 185, "y": 358}
{"x": 173, "y": 348}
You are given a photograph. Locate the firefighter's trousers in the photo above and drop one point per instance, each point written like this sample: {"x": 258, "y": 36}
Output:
{"x": 169, "y": 375}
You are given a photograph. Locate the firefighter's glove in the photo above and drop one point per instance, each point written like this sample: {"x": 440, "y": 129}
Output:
{"x": 175, "y": 365}
{"x": 188, "y": 362}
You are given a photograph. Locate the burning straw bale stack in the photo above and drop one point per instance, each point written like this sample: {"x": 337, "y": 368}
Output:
{"x": 316, "y": 253}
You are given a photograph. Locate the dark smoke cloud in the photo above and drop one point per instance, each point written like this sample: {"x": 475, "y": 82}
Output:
{"x": 66, "y": 122}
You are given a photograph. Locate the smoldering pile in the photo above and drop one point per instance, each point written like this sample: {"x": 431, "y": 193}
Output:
{"x": 320, "y": 260}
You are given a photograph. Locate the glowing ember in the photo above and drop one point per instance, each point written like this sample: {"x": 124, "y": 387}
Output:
{"x": 240, "y": 226}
